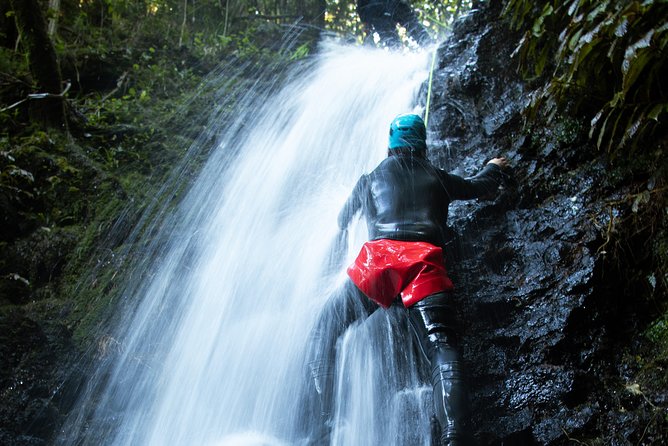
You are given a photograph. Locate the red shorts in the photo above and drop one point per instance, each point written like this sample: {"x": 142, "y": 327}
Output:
{"x": 386, "y": 268}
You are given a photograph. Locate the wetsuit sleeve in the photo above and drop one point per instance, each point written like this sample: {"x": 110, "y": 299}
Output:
{"x": 484, "y": 184}
{"x": 353, "y": 204}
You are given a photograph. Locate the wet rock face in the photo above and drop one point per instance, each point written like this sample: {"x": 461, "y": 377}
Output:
{"x": 30, "y": 409}
{"x": 544, "y": 324}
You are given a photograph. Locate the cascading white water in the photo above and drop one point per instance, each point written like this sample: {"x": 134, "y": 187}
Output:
{"x": 214, "y": 354}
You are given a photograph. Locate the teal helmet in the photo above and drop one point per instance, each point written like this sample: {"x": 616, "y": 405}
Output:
{"x": 408, "y": 130}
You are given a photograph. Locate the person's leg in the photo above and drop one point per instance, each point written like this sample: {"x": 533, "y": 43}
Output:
{"x": 341, "y": 310}
{"x": 433, "y": 322}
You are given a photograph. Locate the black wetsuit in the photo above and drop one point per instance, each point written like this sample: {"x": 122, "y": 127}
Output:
{"x": 382, "y": 16}
{"x": 405, "y": 198}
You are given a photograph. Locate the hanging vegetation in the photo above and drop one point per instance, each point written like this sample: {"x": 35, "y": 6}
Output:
{"x": 607, "y": 57}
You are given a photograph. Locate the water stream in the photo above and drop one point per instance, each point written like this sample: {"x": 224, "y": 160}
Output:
{"x": 214, "y": 352}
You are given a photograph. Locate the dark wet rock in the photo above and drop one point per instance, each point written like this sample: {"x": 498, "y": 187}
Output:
{"x": 30, "y": 353}
{"x": 548, "y": 322}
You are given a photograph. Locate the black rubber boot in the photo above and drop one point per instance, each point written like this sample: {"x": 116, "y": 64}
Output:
{"x": 321, "y": 365}
{"x": 432, "y": 321}
{"x": 449, "y": 402}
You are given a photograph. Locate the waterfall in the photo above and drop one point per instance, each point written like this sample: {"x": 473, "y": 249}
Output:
{"x": 213, "y": 353}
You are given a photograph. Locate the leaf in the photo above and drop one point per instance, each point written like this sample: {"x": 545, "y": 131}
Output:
{"x": 616, "y": 100}
{"x": 595, "y": 120}
{"x": 612, "y": 49}
{"x": 601, "y": 133}
{"x": 613, "y": 132}
{"x": 574, "y": 39}
{"x": 21, "y": 173}
{"x": 541, "y": 61}
{"x": 582, "y": 55}
{"x": 622, "y": 28}
{"x": 656, "y": 111}
{"x": 633, "y": 125}
{"x": 518, "y": 9}
{"x": 538, "y": 26}
{"x": 600, "y": 9}
{"x": 574, "y": 7}
{"x": 632, "y": 50}
{"x": 519, "y": 46}
{"x": 633, "y": 388}
{"x": 662, "y": 37}
{"x": 635, "y": 69}
{"x": 301, "y": 52}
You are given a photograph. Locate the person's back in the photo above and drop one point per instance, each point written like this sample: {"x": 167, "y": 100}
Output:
{"x": 406, "y": 198}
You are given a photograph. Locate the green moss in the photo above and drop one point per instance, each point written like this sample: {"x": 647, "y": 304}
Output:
{"x": 657, "y": 333}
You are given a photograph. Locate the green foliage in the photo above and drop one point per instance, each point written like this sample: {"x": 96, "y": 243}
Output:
{"x": 658, "y": 331}
{"x": 301, "y": 52}
{"x": 606, "y": 57}
{"x": 439, "y": 16}
{"x": 341, "y": 16}
{"x": 39, "y": 187}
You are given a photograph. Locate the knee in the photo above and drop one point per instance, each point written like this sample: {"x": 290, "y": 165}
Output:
{"x": 442, "y": 353}
{"x": 433, "y": 320}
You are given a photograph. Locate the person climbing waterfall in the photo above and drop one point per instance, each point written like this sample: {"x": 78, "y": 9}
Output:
{"x": 382, "y": 17}
{"x": 405, "y": 203}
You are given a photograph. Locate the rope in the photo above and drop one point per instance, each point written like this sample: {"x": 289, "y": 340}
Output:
{"x": 33, "y": 96}
{"x": 431, "y": 77}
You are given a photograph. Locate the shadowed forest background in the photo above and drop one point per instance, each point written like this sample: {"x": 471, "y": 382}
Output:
{"x": 101, "y": 99}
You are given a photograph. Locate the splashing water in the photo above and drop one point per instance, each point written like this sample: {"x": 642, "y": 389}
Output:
{"x": 214, "y": 353}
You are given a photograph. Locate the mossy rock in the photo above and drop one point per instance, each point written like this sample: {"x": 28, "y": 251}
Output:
{"x": 32, "y": 266}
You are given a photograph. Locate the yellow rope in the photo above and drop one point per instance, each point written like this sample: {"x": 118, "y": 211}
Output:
{"x": 431, "y": 77}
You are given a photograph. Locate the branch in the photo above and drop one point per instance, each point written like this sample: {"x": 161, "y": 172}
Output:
{"x": 267, "y": 17}
{"x": 183, "y": 24}
{"x": 11, "y": 78}
{"x": 39, "y": 96}
{"x": 119, "y": 84}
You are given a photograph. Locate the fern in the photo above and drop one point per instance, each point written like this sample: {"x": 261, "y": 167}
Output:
{"x": 606, "y": 57}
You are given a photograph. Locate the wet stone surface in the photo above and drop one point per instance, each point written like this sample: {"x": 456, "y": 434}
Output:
{"x": 540, "y": 317}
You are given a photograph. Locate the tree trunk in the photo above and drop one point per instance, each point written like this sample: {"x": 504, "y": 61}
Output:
{"x": 183, "y": 24}
{"x": 49, "y": 110}
{"x": 54, "y": 11}
{"x": 9, "y": 34}
{"x": 227, "y": 15}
